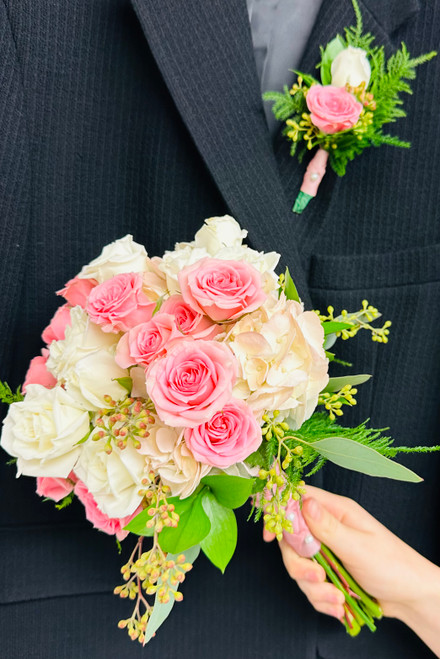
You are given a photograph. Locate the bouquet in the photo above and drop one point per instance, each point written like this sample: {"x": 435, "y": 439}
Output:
{"x": 172, "y": 390}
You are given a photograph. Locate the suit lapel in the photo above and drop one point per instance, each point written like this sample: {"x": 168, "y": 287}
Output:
{"x": 204, "y": 50}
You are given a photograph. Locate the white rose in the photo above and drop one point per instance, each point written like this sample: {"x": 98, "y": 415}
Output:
{"x": 219, "y": 232}
{"x": 113, "y": 479}
{"x": 123, "y": 255}
{"x": 84, "y": 362}
{"x": 43, "y": 432}
{"x": 351, "y": 66}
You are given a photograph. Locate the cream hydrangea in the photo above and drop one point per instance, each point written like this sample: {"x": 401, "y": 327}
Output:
{"x": 43, "y": 432}
{"x": 282, "y": 362}
{"x": 114, "y": 479}
{"x": 84, "y": 362}
{"x": 171, "y": 459}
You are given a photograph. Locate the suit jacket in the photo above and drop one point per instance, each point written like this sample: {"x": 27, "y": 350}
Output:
{"x": 145, "y": 116}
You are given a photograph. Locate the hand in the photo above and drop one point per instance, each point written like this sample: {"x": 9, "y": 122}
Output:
{"x": 406, "y": 584}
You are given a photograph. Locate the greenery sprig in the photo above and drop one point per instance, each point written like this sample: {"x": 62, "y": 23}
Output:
{"x": 8, "y": 396}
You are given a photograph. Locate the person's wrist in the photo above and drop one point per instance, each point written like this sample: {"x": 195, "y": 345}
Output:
{"x": 422, "y": 592}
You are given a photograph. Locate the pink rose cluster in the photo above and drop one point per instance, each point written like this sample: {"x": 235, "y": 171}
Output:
{"x": 177, "y": 341}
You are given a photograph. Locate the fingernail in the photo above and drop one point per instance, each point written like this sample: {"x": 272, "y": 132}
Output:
{"x": 313, "y": 509}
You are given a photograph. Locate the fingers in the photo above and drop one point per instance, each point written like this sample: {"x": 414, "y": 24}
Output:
{"x": 324, "y": 597}
{"x": 345, "y": 510}
{"x": 327, "y": 528}
{"x": 300, "y": 568}
{"x": 310, "y": 577}
{"x": 268, "y": 536}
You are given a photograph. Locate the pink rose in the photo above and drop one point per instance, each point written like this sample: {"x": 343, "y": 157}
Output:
{"x": 189, "y": 321}
{"x": 56, "y": 329}
{"x": 37, "y": 372}
{"x": 148, "y": 341}
{"x": 55, "y": 488}
{"x": 333, "y": 109}
{"x": 192, "y": 382}
{"x": 223, "y": 290}
{"x": 228, "y": 437}
{"x": 101, "y": 521}
{"x": 77, "y": 290}
{"x": 119, "y": 303}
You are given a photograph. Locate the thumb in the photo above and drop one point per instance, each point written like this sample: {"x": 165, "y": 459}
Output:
{"x": 328, "y": 528}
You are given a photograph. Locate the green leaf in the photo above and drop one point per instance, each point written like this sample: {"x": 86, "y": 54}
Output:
{"x": 219, "y": 545}
{"x": 289, "y": 287}
{"x": 230, "y": 491}
{"x": 335, "y": 384}
{"x": 333, "y": 48}
{"x": 357, "y": 457}
{"x": 158, "y": 304}
{"x": 66, "y": 501}
{"x": 162, "y": 611}
{"x": 126, "y": 382}
{"x": 308, "y": 79}
{"x": 138, "y": 524}
{"x": 85, "y": 438}
{"x": 193, "y": 526}
{"x": 332, "y": 326}
{"x": 8, "y": 396}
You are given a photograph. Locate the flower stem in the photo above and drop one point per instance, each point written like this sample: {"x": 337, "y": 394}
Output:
{"x": 357, "y": 612}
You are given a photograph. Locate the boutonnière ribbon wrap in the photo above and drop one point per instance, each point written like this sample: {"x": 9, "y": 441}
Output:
{"x": 346, "y": 112}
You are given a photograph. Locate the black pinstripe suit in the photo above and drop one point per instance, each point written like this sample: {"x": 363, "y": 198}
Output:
{"x": 144, "y": 116}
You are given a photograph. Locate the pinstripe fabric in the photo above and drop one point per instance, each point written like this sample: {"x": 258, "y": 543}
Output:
{"x": 113, "y": 121}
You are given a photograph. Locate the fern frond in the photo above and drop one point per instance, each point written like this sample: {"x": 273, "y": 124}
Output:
{"x": 8, "y": 396}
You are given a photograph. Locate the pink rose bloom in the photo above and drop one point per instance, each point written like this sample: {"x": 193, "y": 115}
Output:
{"x": 77, "y": 290}
{"x": 101, "y": 521}
{"x": 119, "y": 303}
{"x": 223, "y": 290}
{"x": 37, "y": 372}
{"x": 333, "y": 109}
{"x": 57, "y": 327}
{"x": 148, "y": 341}
{"x": 193, "y": 382}
{"x": 55, "y": 488}
{"x": 228, "y": 437}
{"x": 189, "y": 321}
